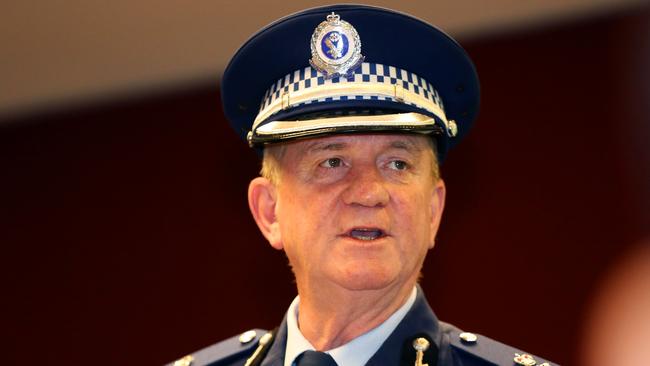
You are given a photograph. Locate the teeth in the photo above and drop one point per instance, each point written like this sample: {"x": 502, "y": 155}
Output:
{"x": 366, "y": 234}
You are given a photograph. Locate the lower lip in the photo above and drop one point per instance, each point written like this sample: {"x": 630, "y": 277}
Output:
{"x": 361, "y": 242}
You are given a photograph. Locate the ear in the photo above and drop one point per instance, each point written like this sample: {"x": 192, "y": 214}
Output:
{"x": 262, "y": 199}
{"x": 437, "y": 206}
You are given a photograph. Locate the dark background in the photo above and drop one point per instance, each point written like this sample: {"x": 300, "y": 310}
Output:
{"x": 126, "y": 237}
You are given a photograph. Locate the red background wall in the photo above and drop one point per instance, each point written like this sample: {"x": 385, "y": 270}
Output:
{"x": 126, "y": 238}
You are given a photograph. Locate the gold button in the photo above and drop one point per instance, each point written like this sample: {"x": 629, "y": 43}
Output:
{"x": 468, "y": 337}
{"x": 453, "y": 128}
{"x": 247, "y": 336}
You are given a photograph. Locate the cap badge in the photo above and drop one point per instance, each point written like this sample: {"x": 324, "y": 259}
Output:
{"x": 335, "y": 47}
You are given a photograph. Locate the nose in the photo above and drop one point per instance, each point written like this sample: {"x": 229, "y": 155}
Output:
{"x": 366, "y": 187}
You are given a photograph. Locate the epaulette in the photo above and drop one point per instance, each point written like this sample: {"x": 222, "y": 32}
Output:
{"x": 230, "y": 351}
{"x": 476, "y": 349}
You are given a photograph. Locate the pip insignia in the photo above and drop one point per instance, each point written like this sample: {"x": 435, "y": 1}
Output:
{"x": 525, "y": 360}
{"x": 185, "y": 361}
{"x": 335, "y": 47}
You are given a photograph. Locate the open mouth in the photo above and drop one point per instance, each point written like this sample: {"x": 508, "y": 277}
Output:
{"x": 366, "y": 234}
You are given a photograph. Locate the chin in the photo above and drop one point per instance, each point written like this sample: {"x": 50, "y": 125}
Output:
{"x": 358, "y": 279}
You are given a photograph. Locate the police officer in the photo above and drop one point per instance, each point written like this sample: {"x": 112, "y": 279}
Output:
{"x": 354, "y": 108}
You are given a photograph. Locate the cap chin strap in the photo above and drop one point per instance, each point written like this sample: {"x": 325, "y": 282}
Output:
{"x": 276, "y": 131}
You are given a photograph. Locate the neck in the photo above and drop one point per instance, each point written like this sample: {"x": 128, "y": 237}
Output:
{"x": 329, "y": 319}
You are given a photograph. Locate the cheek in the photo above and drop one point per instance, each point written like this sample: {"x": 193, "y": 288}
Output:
{"x": 301, "y": 215}
{"x": 415, "y": 216}
{"x": 301, "y": 210}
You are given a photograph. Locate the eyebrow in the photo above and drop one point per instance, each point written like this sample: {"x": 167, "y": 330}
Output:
{"x": 323, "y": 146}
{"x": 407, "y": 145}
{"x": 402, "y": 144}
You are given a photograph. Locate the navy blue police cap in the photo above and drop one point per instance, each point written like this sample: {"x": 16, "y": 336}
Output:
{"x": 350, "y": 69}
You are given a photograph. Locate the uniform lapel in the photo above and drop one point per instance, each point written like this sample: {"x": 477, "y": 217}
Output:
{"x": 275, "y": 356}
{"x": 398, "y": 347}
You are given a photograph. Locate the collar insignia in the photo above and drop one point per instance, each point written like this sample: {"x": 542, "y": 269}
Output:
{"x": 335, "y": 47}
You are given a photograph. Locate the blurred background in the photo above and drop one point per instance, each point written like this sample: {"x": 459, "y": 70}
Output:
{"x": 124, "y": 227}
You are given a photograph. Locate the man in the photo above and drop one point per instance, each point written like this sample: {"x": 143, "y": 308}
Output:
{"x": 352, "y": 137}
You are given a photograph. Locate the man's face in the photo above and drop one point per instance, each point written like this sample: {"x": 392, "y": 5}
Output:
{"x": 357, "y": 211}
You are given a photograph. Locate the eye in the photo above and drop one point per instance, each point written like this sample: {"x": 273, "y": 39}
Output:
{"x": 331, "y": 163}
{"x": 398, "y": 165}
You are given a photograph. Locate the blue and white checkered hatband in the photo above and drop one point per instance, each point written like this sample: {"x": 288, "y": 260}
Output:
{"x": 413, "y": 104}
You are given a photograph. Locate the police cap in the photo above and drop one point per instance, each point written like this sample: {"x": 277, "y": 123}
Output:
{"x": 346, "y": 69}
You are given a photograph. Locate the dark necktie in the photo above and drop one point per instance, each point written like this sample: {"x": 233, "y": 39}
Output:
{"x": 315, "y": 358}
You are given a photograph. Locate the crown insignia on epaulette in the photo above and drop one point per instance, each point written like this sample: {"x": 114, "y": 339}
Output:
{"x": 335, "y": 47}
{"x": 524, "y": 360}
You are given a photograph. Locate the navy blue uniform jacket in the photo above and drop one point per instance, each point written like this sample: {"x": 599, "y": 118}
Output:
{"x": 446, "y": 347}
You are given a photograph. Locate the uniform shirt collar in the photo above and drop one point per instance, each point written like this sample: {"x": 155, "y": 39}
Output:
{"x": 354, "y": 353}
